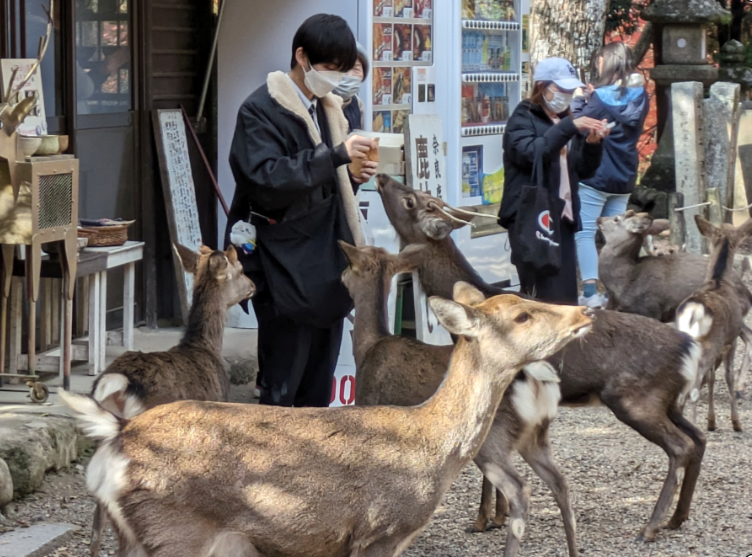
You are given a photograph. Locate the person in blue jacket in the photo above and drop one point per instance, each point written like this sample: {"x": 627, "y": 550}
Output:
{"x": 617, "y": 94}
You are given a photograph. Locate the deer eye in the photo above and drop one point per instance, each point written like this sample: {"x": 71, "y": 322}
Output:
{"x": 616, "y": 219}
{"x": 522, "y": 318}
{"x": 408, "y": 202}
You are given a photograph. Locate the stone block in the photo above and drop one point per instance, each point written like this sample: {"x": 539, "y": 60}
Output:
{"x": 685, "y": 44}
{"x": 721, "y": 118}
{"x": 30, "y": 445}
{"x": 743, "y": 165}
{"x": 687, "y": 118}
{"x": 38, "y": 540}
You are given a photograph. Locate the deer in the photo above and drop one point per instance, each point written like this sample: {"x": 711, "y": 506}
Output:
{"x": 607, "y": 369}
{"x": 638, "y": 284}
{"x": 400, "y": 371}
{"x": 660, "y": 245}
{"x": 714, "y": 314}
{"x": 198, "y": 479}
{"x": 193, "y": 369}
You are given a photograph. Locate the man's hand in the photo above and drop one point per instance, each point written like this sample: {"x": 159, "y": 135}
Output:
{"x": 358, "y": 147}
{"x": 596, "y": 135}
{"x": 367, "y": 172}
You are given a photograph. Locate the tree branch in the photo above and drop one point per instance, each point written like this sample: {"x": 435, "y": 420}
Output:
{"x": 643, "y": 44}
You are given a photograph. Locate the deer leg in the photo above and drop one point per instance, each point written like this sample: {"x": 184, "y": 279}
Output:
{"x": 693, "y": 468}
{"x": 505, "y": 477}
{"x": 502, "y": 507}
{"x": 656, "y": 427}
{"x": 484, "y": 512}
{"x": 711, "y": 404}
{"x": 97, "y": 529}
{"x": 538, "y": 455}
{"x": 728, "y": 362}
{"x": 746, "y": 336}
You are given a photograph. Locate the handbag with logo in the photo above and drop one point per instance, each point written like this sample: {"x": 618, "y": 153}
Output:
{"x": 535, "y": 238}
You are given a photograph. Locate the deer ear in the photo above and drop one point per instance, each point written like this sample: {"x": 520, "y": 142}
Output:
{"x": 659, "y": 226}
{"x": 707, "y": 228}
{"x": 457, "y": 319}
{"x": 205, "y": 250}
{"x": 635, "y": 225}
{"x": 351, "y": 253}
{"x": 410, "y": 258}
{"x": 218, "y": 266}
{"x": 188, "y": 258}
{"x": 467, "y": 294}
{"x": 232, "y": 255}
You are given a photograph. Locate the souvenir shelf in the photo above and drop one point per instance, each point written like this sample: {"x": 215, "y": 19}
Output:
{"x": 491, "y": 48}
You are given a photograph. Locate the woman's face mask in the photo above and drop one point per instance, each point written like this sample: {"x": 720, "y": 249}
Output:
{"x": 559, "y": 102}
{"x": 320, "y": 83}
{"x": 348, "y": 87}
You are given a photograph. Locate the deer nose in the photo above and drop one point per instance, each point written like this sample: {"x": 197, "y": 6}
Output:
{"x": 588, "y": 312}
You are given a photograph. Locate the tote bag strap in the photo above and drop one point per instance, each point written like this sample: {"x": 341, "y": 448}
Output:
{"x": 538, "y": 177}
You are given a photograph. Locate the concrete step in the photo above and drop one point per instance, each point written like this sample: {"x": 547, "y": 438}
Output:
{"x": 36, "y": 541}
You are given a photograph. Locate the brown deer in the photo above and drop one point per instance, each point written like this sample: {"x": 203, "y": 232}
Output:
{"x": 714, "y": 315}
{"x": 192, "y": 370}
{"x": 607, "y": 369}
{"x": 200, "y": 479}
{"x": 400, "y": 371}
{"x": 659, "y": 245}
{"x": 639, "y": 284}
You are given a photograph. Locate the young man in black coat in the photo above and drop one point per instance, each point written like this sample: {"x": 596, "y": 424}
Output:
{"x": 291, "y": 158}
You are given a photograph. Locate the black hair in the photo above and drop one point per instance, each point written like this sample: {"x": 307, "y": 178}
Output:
{"x": 618, "y": 64}
{"x": 326, "y": 39}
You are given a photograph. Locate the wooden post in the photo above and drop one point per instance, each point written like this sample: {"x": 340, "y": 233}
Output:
{"x": 676, "y": 219}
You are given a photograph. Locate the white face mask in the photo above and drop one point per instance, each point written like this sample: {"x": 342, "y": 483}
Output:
{"x": 321, "y": 83}
{"x": 559, "y": 102}
{"x": 349, "y": 87}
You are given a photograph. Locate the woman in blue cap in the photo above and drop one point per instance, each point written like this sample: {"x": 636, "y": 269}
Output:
{"x": 570, "y": 149}
{"x": 617, "y": 95}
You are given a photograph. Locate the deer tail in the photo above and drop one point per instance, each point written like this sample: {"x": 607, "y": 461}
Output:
{"x": 96, "y": 422}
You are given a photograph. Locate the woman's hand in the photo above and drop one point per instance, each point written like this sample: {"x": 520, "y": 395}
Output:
{"x": 584, "y": 123}
{"x": 596, "y": 135}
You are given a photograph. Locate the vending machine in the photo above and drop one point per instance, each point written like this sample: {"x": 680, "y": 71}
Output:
{"x": 466, "y": 61}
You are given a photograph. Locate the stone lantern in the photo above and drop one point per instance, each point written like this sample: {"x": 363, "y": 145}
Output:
{"x": 680, "y": 31}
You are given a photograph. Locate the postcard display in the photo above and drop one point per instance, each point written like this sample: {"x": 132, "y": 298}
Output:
{"x": 402, "y": 40}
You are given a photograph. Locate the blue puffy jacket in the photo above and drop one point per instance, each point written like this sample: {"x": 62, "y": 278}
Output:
{"x": 618, "y": 170}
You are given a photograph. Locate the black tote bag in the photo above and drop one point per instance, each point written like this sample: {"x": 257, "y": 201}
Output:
{"x": 303, "y": 264}
{"x": 535, "y": 238}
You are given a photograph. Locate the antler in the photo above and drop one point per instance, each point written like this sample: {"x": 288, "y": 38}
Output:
{"x": 44, "y": 42}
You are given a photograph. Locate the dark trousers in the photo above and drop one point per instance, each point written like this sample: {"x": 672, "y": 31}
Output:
{"x": 560, "y": 288}
{"x": 296, "y": 362}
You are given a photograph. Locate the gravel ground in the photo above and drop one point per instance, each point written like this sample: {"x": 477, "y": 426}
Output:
{"x": 614, "y": 474}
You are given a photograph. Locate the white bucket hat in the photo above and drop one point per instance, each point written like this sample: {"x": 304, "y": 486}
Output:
{"x": 558, "y": 70}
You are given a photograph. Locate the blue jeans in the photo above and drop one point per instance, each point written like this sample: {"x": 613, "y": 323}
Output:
{"x": 594, "y": 204}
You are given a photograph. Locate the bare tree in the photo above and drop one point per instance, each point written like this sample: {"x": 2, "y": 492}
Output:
{"x": 571, "y": 29}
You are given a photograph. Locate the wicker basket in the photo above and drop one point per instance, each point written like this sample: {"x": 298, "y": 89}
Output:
{"x": 105, "y": 236}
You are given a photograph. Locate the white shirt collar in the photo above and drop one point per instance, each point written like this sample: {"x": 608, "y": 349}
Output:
{"x": 307, "y": 103}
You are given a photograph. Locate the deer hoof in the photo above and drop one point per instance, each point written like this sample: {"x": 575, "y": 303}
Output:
{"x": 646, "y": 536}
{"x": 676, "y": 522}
{"x": 497, "y": 522}
{"x": 711, "y": 425}
{"x": 737, "y": 425}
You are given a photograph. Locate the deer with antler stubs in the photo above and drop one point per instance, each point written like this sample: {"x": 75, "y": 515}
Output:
{"x": 642, "y": 370}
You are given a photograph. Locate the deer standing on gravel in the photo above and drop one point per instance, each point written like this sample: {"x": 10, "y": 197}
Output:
{"x": 207, "y": 479}
{"x": 192, "y": 370}
{"x": 400, "y": 371}
{"x": 642, "y": 370}
{"x": 654, "y": 287}
{"x": 714, "y": 315}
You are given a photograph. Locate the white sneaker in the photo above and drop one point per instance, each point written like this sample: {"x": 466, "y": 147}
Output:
{"x": 596, "y": 301}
